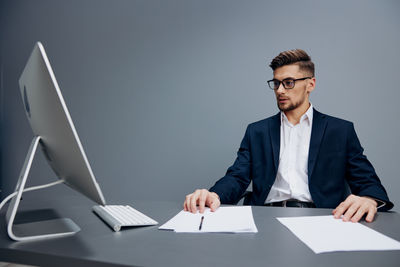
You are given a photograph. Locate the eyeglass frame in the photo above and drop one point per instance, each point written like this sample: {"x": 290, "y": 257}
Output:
{"x": 281, "y": 82}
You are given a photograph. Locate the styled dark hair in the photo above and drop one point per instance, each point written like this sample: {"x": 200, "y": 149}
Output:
{"x": 295, "y": 56}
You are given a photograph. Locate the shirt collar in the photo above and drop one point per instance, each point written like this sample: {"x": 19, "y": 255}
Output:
{"x": 308, "y": 115}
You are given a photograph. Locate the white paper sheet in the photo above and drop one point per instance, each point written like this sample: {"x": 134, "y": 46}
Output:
{"x": 224, "y": 219}
{"x": 327, "y": 234}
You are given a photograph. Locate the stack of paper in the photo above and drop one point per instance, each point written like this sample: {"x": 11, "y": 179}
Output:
{"x": 223, "y": 220}
{"x": 327, "y": 234}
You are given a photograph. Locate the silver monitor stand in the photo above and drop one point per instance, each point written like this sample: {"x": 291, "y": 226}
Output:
{"x": 35, "y": 230}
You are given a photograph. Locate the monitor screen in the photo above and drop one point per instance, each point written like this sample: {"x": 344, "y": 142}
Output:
{"x": 49, "y": 118}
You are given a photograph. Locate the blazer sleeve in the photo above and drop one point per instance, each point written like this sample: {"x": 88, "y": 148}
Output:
{"x": 231, "y": 187}
{"x": 360, "y": 173}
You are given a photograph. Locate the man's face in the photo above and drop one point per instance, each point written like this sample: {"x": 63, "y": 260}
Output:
{"x": 291, "y": 99}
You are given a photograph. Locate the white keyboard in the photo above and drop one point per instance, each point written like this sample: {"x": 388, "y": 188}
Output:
{"x": 117, "y": 216}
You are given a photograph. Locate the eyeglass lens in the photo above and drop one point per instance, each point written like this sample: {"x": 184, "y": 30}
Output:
{"x": 287, "y": 84}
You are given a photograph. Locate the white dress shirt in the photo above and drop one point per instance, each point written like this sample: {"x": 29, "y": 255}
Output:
{"x": 292, "y": 178}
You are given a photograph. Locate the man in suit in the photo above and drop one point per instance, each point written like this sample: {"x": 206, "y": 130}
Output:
{"x": 299, "y": 157}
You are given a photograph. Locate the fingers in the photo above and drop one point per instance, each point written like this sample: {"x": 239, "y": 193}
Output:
{"x": 214, "y": 202}
{"x": 185, "y": 204}
{"x": 193, "y": 202}
{"x": 356, "y": 213}
{"x": 371, "y": 214}
{"x": 339, "y": 211}
{"x": 354, "y": 208}
{"x": 201, "y": 198}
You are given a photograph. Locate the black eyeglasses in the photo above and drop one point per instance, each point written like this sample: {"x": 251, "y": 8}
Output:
{"x": 287, "y": 83}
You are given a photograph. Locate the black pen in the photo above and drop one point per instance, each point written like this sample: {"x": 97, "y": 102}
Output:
{"x": 201, "y": 223}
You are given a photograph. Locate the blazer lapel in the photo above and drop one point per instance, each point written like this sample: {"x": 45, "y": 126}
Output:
{"x": 275, "y": 135}
{"x": 317, "y": 132}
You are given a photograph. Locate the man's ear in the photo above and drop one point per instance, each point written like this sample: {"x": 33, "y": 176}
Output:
{"x": 311, "y": 85}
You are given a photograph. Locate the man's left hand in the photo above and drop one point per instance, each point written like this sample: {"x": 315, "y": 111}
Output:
{"x": 355, "y": 207}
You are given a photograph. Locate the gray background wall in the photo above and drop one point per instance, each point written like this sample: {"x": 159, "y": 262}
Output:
{"x": 161, "y": 91}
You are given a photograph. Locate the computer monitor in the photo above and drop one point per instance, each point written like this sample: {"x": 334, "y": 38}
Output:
{"x": 55, "y": 133}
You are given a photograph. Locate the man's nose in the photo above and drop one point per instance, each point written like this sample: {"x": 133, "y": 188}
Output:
{"x": 280, "y": 89}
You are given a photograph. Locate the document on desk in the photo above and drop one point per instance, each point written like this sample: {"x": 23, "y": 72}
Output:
{"x": 327, "y": 234}
{"x": 223, "y": 220}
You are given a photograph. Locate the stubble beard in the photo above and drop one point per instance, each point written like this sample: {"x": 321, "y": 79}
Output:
{"x": 291, "y": 107}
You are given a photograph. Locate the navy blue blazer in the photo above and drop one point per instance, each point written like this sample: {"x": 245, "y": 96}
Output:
{"x": 335, "y": 159}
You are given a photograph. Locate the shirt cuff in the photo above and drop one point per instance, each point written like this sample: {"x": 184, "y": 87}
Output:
{"x": 379, "y": 202}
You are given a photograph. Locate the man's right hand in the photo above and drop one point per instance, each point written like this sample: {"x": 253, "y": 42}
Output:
{"x": 201, "y": 198}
